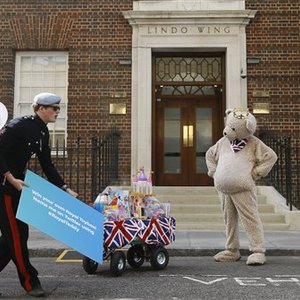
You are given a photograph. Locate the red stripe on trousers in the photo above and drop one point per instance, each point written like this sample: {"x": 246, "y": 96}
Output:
{"x": 16, "y": 241}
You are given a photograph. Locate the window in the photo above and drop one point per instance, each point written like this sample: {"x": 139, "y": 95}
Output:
{"x": 38, "y": 72}
{"x": 188, "y": 69}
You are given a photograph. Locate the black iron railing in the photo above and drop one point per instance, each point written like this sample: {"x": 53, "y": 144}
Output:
{"x": 105, "y": 157}
{"x": 87, "y": 166}
{"x": 285, "y": 175}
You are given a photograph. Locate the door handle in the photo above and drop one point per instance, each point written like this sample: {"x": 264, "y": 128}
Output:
{"x": 188, "y": 135}
{"x": 191, "y": 135}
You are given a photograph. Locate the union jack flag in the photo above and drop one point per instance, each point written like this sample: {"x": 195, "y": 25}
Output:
{"x": 158, "y": 231}
{"x": 237, "y": 145}
{"x": 118, "y": 234}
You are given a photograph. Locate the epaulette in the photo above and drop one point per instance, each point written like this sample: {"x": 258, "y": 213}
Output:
{"x": 18, "y": 120}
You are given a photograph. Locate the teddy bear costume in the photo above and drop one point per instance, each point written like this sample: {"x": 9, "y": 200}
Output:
{"x": 235, "y": 162}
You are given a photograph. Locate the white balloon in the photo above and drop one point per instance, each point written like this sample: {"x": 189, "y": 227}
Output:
{"x": 3, "y": 115}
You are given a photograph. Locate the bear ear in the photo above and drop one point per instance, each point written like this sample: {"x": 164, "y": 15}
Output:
{"x": 228, "y": 111}
{"x": 251, "y": 123}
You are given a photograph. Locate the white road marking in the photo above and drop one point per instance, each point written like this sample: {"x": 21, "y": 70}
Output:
{"x": 206, "y": 282}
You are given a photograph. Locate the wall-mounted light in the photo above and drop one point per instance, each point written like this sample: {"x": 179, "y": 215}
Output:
{"x": 158, "y": 91}
{"x": 261, "y": 94}
{"x": 243, "y": 74}
{"x": 125, "y": 61}
{"x": 118, "y": 95}
{"x": 253, "y": 60}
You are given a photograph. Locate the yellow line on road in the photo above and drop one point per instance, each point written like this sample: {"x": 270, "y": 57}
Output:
{"x": 61, "y": 257}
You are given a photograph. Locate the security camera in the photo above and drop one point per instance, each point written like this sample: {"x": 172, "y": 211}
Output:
{"x": 243, "y": 74}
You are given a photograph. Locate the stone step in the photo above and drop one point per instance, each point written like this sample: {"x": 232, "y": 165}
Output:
{"x": 196, "y": 199}
{"x": 184, "y": 190}
{"x": 206, "y": 226}
{"x": 208, "y": 208}
{"x": 199, "y": 208}
{"x": 213, "y": 218}
{"x": 177, "y": 209}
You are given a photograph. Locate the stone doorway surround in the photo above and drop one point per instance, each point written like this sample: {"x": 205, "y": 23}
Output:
{"x": 182, "y": 26}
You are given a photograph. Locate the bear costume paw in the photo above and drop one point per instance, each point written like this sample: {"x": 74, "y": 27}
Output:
{"x": 256, "y": 259}
{"x": 227, "y": 256}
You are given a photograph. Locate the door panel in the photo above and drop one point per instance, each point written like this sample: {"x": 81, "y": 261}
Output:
{"x": 169, "y": 151}
{"x": 205, "y": 115}
{"x": 185, "y": 128}
{"x": 203, "y": 136}
{"x": 172, "y": 146}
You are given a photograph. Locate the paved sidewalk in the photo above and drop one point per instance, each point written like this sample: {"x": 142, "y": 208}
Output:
{"x": 193, "y": 243}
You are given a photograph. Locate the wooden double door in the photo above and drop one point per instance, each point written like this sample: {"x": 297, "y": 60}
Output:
{"x": 185, "y": 127}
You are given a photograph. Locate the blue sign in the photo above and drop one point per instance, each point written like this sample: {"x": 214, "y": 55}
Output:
{"x": 61, "y": 216}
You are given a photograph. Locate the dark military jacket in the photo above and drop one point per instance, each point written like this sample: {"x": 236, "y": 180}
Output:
{"x": 19, "y": 140}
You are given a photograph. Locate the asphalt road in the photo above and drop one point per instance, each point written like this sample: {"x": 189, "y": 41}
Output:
{"x": 184, "y": 278}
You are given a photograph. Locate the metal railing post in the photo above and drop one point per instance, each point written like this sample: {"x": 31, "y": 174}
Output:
{"x": 288, "y": 178}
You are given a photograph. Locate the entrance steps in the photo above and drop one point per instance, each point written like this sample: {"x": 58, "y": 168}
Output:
{"x": 199, "y": 208}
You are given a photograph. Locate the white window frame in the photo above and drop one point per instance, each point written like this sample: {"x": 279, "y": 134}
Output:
{"x": 60, "y": 89}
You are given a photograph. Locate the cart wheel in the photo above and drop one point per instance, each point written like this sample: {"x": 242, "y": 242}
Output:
{"x": 159, "y": 258}
{"x": 117, "y": 263}
{"x": 136, "y": 256}
{"x": 89, "y": 265}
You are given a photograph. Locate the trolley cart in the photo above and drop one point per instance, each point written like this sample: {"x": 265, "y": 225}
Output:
{"x": 139, "y": 252}
{"x": 117, "y": 262}
{"x": 146, "y": 239}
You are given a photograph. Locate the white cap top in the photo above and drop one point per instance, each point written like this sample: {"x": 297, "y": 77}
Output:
{"x": 46, "y": 99}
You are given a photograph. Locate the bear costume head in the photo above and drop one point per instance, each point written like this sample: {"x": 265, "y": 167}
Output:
{"x": 239, "y": 124}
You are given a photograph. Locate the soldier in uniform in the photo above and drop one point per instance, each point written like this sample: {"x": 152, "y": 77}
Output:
{"x": 19, "y": 140}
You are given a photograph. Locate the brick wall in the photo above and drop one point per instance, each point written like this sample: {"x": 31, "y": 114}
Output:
{"x": 96, "y": 36}
{"x": 274, "y": 37}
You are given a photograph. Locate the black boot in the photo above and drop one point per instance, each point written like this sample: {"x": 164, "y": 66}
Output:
{"x": 37, "y": 292}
